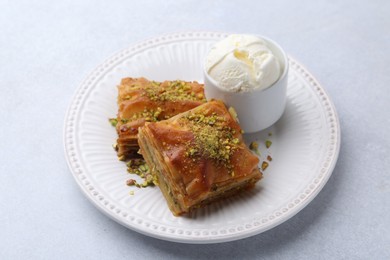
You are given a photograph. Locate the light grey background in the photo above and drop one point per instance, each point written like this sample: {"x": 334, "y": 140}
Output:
{"x": 47, "y": 48}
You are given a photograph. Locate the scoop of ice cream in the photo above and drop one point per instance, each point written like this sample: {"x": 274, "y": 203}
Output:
{"x": 242, "y": 63}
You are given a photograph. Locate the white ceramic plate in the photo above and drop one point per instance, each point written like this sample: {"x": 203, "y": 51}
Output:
{"x": 305, "y": 146}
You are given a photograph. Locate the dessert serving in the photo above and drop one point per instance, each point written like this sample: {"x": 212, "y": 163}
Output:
{"x": 297, "y": 155}
{"x": 141, "y": 100}
{"x": 194, "y": 151}
{"x": 198, "y": 156}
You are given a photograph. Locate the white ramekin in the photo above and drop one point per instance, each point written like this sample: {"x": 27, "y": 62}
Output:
{"x": 256, "y": 109}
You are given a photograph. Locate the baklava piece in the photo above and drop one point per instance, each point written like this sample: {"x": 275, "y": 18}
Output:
{"x": 198, "y": 157}
{"x": 141, "y": 100}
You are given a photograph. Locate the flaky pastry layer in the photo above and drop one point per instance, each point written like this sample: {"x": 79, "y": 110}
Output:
{"x": 141, "y": 100}
{"x": 198, "y": 156}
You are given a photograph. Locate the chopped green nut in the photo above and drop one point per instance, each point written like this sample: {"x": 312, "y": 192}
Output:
{"x": 264, "y": 165}
{"x": 254, "y": 146}
{"x": 113, "y": 121}
{"x": 130, "y": 182}
{"x": 140, "y": 168}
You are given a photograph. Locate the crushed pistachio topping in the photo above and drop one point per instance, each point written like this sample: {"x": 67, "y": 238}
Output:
{"x": 269, "y": 158}
{"x": 149, "y": 115}
{"x": 212, "y": 138}
{"x": 140, "y": 168}
{"x": 156, "y": 91}
{"x": 175, "y": 91}
{"x": 127, "y": 97}
{"x": 113, "y": 121}
{"x": 124, "y": 120}
{"x": 269, "y": 134}
{"x": 254, "y": 146}
{"x": 268, "y": 143}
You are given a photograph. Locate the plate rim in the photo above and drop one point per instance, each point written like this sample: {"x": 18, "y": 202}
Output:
{"x": 93, "y": 77}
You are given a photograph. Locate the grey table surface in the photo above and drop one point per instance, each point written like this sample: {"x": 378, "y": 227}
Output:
{"x": 48, "y": 47}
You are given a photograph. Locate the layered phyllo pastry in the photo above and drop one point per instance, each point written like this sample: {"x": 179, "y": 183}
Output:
{"x": 141, "y": 101}
{"x": 198, "y": 156}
